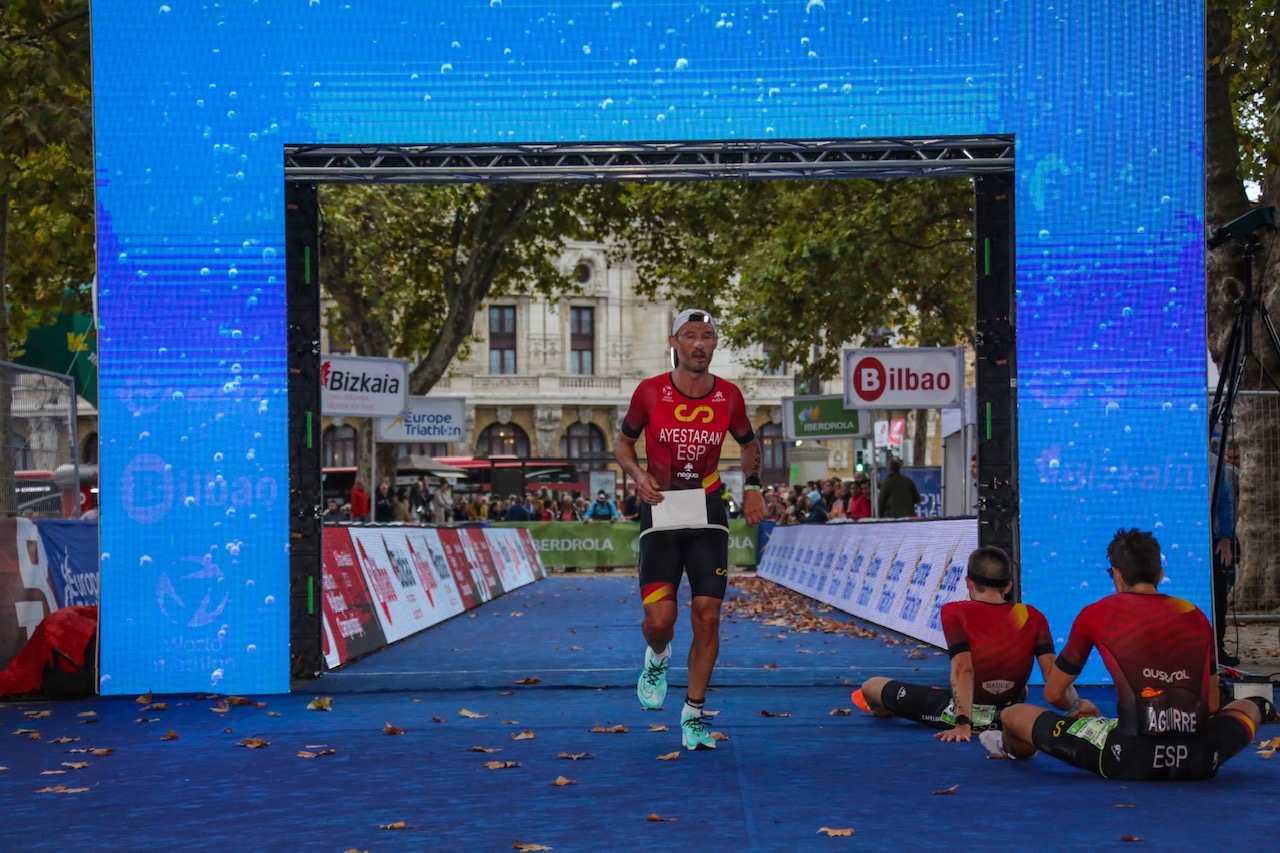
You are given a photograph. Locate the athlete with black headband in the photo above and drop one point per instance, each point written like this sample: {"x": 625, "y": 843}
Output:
{"x": 993, "y": 644}
{"x": 1160, "y": 653}
{"x": 684, "y": 417}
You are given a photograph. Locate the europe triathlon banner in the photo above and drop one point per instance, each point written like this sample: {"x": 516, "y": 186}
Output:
{"x": 382, "y": 584}
{"x": 26, "y": 589}
{"x": 72, "y": 546}
{"x": 894, "y": 574}
{"x": 612, "y": 545}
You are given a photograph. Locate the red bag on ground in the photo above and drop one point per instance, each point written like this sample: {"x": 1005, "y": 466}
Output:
{"x": 55, "y": 656}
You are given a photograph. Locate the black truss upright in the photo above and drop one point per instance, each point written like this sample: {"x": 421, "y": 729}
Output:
{"x": 996, "y": 367}
{"x": 302, "y": 236}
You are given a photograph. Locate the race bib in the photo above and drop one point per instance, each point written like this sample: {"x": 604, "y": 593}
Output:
{"x": 981, "y": 717}
{"x": 1093, "y": 729}
{"x": 680, "y": 508}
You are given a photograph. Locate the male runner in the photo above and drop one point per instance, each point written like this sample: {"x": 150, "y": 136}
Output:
{"x": 684, "y": 416}
{"x": 992, "y": 644}
{"x": 1159, "y": 651}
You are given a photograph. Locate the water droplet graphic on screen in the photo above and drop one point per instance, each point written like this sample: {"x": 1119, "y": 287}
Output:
{"x": 1112, "y": 407}
{"x": 204, "y": 270}
{"x": 122, "y": 257}
{"x": 144, "y": 560}
{"x": 189, "y": 501}
{"x": 270, "y": 599}
{"x": 446, "y": 68}
{"x": 251, "y": 648}
{"x": 1044, "y": 234}
{"x": 1126, "y": 312}
{"x": 814, "y": 4}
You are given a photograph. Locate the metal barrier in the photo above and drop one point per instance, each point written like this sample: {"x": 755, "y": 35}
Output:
{"x": 39, "y": 472}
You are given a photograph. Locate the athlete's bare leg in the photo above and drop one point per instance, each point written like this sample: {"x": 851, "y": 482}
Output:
{"x": 659, "y": 624}
{"x": 1017, "y": 721}
{"x": 705, "y": 648}
{"x": 872, "y": 689}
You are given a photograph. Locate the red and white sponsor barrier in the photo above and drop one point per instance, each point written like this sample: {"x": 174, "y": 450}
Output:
{"x": 894, "y": 574}
{"x": 382, "y": 584}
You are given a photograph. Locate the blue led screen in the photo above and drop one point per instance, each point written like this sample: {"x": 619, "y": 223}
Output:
{"x": 194, "y": 103}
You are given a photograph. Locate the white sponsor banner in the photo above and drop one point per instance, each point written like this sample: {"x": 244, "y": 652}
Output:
{"x": 439, "y": 419}
{"x": 894, "y": 574}
{"x": 404, "y": 580}
{"x": 363, "y": 387}
{"x": 923, "y": 378}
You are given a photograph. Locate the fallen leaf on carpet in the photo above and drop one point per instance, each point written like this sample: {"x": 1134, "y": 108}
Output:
{"x": 36, "y": 715}
{"x": 657, "y": 818}
{"x": 1130, "y": 838}
{"x": 64, "y": 740}
{"x": 1123, "y": 805}
{"x": 52, "y": 772}
{"x": 670, "y": 756}
{"x": 61, "y": 789}
{"x": 306, "y": 753}
{"x": 485, "y": 749}
{"x": 826, "y": 830}
{"x": 840, "y": 712}
{"x": 437, "y": 719}
{"x": 220, "y": 708}
{"x": 320, "y": 703}
{"x": 531, "y": 847}
{"x": 525, "y": 735}
{"x": 387, "y": 728}
{"x": 87, "y": 714}
{"x": 575, "y": 756}
{"x": 75, "y": 765}
{"x": 562, "y": 781}
{"x": 950, "y": 790}
{"x": 147, "y": 720}
{"x": 611, "y": 730}
{"x": 772, "y": 714}
{"x": 501, "y": 765}
{"x": 240, "y": 700}
{"x": 253, "y": 743}
{"x": 530, "y": 680}
{"x": 471, "y": 715}
{"x": 397, "y": 825}
{"x": 144, "y": 699}
{"x": 719, "y": 736}
{"x": 273, "y": 713}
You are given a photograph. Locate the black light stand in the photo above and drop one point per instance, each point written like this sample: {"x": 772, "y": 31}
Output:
{"x": 1239, "y": 350}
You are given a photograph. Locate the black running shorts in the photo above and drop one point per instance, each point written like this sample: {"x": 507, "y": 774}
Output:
{"x": 1097, "y": 745}
{"x": 702, "y": 554}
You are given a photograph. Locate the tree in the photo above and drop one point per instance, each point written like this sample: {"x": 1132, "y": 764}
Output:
{"x": 1242, "y": 150}
{"x": 46, "y": 176}
{"x": 407, "y": 267}
{"x": 808, "y": 267}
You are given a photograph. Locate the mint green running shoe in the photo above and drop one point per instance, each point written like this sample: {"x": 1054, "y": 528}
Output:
{"x": 652, "y": 686}
{"x": 694, "y": 733}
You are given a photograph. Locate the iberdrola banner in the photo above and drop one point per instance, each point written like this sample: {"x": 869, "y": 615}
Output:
{"x": 613, "y": 544}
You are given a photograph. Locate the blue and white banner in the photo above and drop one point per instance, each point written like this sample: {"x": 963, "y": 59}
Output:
{"x": 72, "y": 546}
{"x": 894, "y": 574}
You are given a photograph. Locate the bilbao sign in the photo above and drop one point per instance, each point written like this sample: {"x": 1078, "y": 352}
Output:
{"x": 923, "y": 378}
{"x": 364, "y": 387}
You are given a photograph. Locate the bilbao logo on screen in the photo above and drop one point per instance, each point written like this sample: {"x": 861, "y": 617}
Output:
{"x": 151, "y": 488}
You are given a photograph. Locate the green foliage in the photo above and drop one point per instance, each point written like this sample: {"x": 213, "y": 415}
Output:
{"x": 810, "y": 263}
{"x": 46, "y": 163}
{"x": 1253, "y": 61}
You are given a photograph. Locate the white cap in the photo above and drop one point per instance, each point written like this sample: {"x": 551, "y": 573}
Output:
{"x": 692, "y": 315}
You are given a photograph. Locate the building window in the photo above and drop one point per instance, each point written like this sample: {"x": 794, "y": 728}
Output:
{"x": 502, "y": 339}
{"x": 775, "y": 467}
{"x": 582, "y": 341}
{"x": 422, "y": 448}
{"x": 781, "y": 368}
{"x": 89, "y": 449}
{"x": 23, "y": 459}
{"x": 503, "y": 440}
{"x": 583, "y": 273}
{"x": 338, "y": 446}
{"x": 583, "y": 441}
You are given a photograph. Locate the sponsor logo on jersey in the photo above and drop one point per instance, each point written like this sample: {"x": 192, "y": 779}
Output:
{"x": 683, "y": 414}
{"x": 997, "y": 685}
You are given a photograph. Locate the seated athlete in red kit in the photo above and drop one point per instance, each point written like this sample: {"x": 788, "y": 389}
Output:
{"x": 993, "y": 644}
{"x": 1160, "y": 652}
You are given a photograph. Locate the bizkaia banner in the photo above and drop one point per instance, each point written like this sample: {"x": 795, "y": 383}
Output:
{"x": 385, "y": 583}
{"x": 923, "y": 378}
{"x": 363, "y": 387}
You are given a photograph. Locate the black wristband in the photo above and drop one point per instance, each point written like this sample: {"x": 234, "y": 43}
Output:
{"x": 753, "y": 480}
{"x": 962, "y": 720}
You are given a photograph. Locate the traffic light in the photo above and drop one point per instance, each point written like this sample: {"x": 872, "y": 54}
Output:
{"x": 859, "y": 461}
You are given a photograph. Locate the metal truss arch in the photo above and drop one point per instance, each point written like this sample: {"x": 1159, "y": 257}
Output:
{"x": 665, "y": 161}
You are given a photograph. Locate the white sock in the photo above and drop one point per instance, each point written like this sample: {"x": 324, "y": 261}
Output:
{"x": 659, "y": 657}
{"x": 692, "y": 710}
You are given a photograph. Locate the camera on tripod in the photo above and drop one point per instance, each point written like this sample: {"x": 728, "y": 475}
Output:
{"x": 1243, "y": 227}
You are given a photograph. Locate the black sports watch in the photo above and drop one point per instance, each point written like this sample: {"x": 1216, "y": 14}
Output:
{"x": 962, "y": 720}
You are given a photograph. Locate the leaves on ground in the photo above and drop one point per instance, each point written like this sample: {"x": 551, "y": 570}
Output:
{"x": 719, "y": 736}
{"x": 1267, "y": 748}
{"x": 437, "y": 719}
{"x": 501, "y": 765}
{"x": 170, "y": 735}
{"x": 306, "y": 753}
{"x": 658, "y": 727}
{"x": 483, "y": 749}
{"x": 826, "y": 830}
{"x": 321, "y": 703}
{"x": 61, "y": 789}
{"x": 575, "y": 756}
{"x": 64, "y": 740}
{"x": 530, "y": 680}
{"x": 1130, "y": 838}
{"x": 99, "y": 751}
{"x": 471, "y": 715}
{"x": 657, "y": 818}
{"x": 234, "y": 701}
{"x": 772, "y": 714}
{"x": 765, "y": 601}
{"x": 611, "y": 730}
{"x": 530, "y": 848}
{"x": 75, "y": 765}
{"x": 840, "y": 712}
{"x": 916, "y": 654}
{"x": 87, "y": 714}
{"x": 561, "y": 781}
{"x": 397, "y": 825}
{"x": 144, "y": 699}
{"x": 36, "y": 715}
{"x": 389, "y": 729}
{"x": 950, "y": 790}
{"x": 157, "y": 706}
{"x": 253, "y": 743}
{"x": 147, "y": 720}
{"x": 524, "y": 735}
{"x": 670, "y": 756}
{"x": 220, "y": 707}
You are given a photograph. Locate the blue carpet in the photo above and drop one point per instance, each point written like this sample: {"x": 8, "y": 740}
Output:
{"x": 782, "y": 775}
